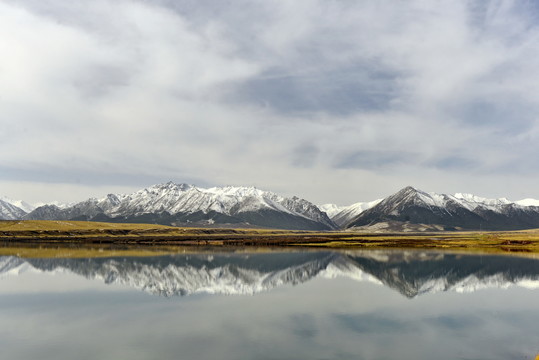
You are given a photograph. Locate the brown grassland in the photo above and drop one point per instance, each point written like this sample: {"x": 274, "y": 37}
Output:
{"x": 164, "y": 239}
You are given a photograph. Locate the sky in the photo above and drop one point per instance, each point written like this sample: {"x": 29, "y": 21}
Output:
{"x": 335, "y": 101}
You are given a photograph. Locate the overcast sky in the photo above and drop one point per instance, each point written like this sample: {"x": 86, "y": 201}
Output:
{"x": 333, "y": 101}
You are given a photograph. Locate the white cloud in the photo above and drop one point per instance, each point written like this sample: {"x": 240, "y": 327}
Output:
{"x": 288, "y": 96}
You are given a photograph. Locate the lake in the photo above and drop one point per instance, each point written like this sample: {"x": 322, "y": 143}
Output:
{"x": 260, "y": 304}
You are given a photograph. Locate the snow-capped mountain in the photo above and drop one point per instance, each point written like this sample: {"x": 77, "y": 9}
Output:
{"x": 9, "y": 211}
{"x": 331, "y": 209}
{"x": 23, "y": 205}
{"x": 410, "y": 273}
{"x": 342, "y": 215}
{"x": 527, "y": 202}
{"x": 459, "y": 211}
{"x": 189, "y": 205}
{"x": 177, "y": 204}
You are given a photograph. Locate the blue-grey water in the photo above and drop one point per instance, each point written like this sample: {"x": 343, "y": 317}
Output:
{"x": 271, "y": 305}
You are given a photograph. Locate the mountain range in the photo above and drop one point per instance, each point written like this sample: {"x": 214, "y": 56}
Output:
{"x": 183, "y": 204}
{"x": 409, "y": 209}
{"x": 410, "y": 273}
{"x": 449, "y": 212}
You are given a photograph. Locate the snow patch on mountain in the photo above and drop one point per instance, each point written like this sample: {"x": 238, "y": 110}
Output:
{"x": 229, "y": 200}
{"x": 8, "y": 211}
{"x": 471, "y": 202}
{"x": 185, "y": 199}
{"x": 350, "y": 212}
{"x": 23, "y": 205}
{"x": 459, "y": 211}
{"x": 468, "y": 201}
{"x": 331, "y": 209}
{"x": 58, "y": 204}
{"x": 527, "y": 202}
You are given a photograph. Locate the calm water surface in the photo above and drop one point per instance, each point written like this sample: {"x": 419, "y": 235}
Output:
{"x": 277, "y": 305}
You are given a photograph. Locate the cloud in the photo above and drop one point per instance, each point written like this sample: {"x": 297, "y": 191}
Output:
{"x": 271, "y": 93}
{"x": 375, "y": 159}
{"x": 338, "y": 92}
{"x": 454, "y": 163}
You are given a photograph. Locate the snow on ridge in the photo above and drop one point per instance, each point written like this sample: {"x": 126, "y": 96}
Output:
{"x": 362, "y": 206}
{"x": 470, "y": 198}
{"x": 433, "y": 199}
{"x": 182, "y": 198}
{"x": 470, "y": 201}
{"x": 347, "y": 213}
{"x": 527, "y": 202}
{"x": 230, "y": 200}
{"x": 252, "y": 198}
{"x": 58, "y": 204}
{"x": 240, "y": 191}
{"x": 331, "y": 209}
{"x": 23, "y": 205}
{"x": 8, "y": 211}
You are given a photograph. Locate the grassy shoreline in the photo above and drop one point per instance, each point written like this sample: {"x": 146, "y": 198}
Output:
{"x": 75, "y": 233}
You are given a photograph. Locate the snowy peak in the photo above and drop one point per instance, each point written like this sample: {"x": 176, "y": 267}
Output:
{"x": 8, "y": 211}
{"x": 168, "y": 188}
{"x": 341, "y": 215}
{"x": 410, "y": 196}
{"x": 331, "y": 209}
{"x": 419, "y": 197}
{"x": 180, "y": 204}
{"x": 449, "y": 212}
{"x": 527, "y": 202}
{"x": 188, "y": 205}
{"x": 23, "y": 205}
{"x": 407, "y": 195}
{"x": 472, "y": 201}
{"x": 236, "y": 191}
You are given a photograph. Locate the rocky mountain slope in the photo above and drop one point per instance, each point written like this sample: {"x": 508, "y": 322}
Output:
{"x": 23, "y": 205}
{"x": 449, "y": 212}
{"x": 9, "y": 211}
{"x": 342, "y": 215}
{"x": 409, "y": 209}
{"x": 182, "y": 204}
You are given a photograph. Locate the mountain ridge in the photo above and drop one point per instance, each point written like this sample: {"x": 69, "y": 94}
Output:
{"x": 9, "y": 211}
{"x": 452, "y": 212}
{"x": 184, "y": 204}
{"x": 409, "y": 209}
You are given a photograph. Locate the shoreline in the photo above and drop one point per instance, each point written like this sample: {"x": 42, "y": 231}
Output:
{"x": 81, "y": 233}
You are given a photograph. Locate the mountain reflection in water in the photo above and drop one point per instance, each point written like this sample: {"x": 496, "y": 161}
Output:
{"x": 410, "y": 273}
{"x": 308, "y": 305}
